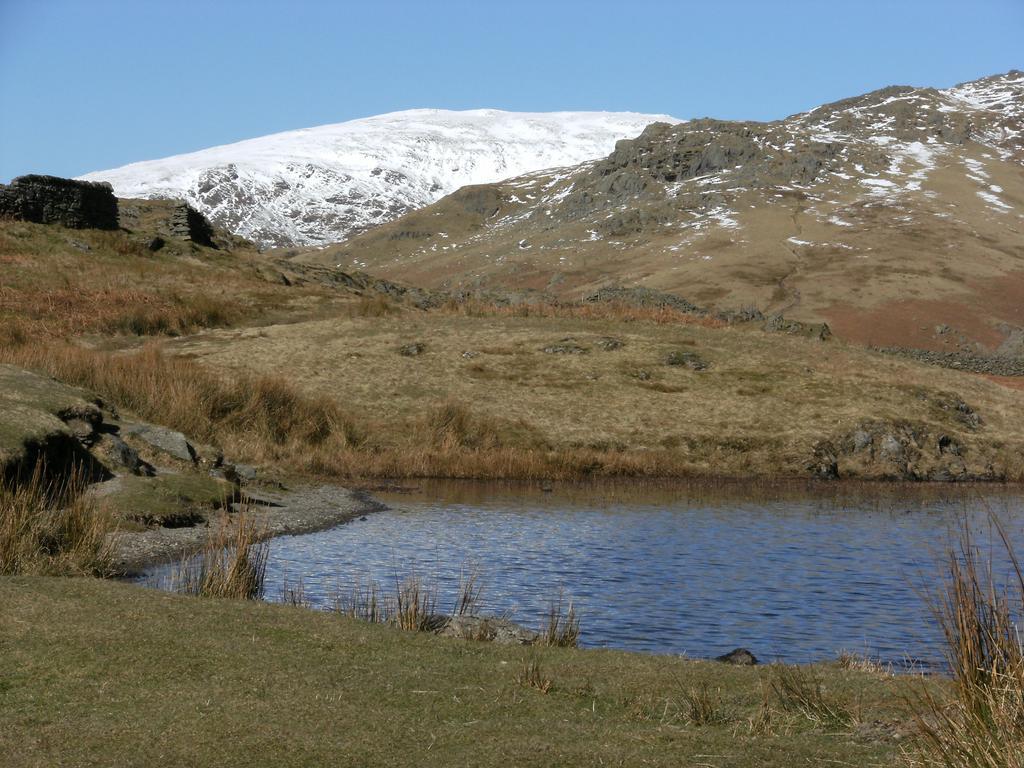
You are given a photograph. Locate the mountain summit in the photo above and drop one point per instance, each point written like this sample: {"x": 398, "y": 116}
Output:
{"x": 320, "y": 185}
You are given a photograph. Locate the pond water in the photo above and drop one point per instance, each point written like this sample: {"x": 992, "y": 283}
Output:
{"x": 795, "y": 577}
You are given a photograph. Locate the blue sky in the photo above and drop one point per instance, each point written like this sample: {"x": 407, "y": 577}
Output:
{"x": 92, "y": 84}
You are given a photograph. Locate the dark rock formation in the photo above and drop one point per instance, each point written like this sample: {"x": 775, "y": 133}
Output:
{"x": 740, "y": 657}
{"x": 189, "y": 224}
{"x": 904, "y": 450}
{"x": 53, "y": 200}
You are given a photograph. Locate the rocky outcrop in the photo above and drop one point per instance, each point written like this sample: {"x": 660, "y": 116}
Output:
{"x": 48, "y": 426}
{"x": 901, "y": 450}
{"x": 53, "y": 200}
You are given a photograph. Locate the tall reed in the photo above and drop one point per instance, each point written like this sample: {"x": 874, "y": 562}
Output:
{"x": 563, "y": 624}
{"x": 233, "y": 563}
{"x": 982, "y": 725}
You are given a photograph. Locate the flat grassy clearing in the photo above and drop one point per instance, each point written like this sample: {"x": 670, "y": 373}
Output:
{"x": 101, "y": 673}
{"x": 762, "y": 403}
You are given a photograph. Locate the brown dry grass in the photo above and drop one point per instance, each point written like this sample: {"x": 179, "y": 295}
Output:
{"x": 49, "y": 528}
{"x": 258, "y": 417}
{"x": 484, "y": 400}
{"x": 59, "y": 283}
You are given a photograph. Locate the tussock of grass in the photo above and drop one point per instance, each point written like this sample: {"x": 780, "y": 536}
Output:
{"x": 863, "y": 663}
{"x": 232, "y": 564}
{"x": 174, "y": 317}
{"x": 704, "y": 706}
{"x": 295, "y": 594}
{"x": 453, "y": 426}
{"x": 58, "y": 312}
{"x": 802, "y": 691}
{"x": 531, "y": 675}
{"x": 371, "y": 306}
{"x": 52, "y": 529}
{"x": 563, "y": 624}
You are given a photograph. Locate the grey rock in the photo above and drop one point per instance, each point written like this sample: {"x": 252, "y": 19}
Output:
{"x": 609, "y": 343}
{"x": 487, "y": 628}
{"x": 121, "y": 455}
{"x": 566, "y": 346}
{"x": 413, "y": 350}
{"x": 239, "y": 474}
{"x": 739, "y": 656}
{"x": 862, "y": 439}
{"x": 163, "y": 439}
{"x": 891, "y": 449}
{"x": 690, "y": 360}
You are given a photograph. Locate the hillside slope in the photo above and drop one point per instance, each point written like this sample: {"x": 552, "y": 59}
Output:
{"x": 319, "y": 185}
{"x": 897, "y": 217}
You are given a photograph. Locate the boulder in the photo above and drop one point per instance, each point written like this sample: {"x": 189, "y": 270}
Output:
{"x": 566, "y": 346}
{"x": 487, "y": 628}
{"x": 119, "y": 455}
{"x": 609, "y": 343}
{"x": 162, "y": 439}
{"x": 42, "y": 420}
{"x": 413, "y": 350}
{"x": 739, "y": 656}
{"x": 690, "y": 360}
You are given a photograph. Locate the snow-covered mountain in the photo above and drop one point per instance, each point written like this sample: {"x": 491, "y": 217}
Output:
{"x": 320, "y": 185}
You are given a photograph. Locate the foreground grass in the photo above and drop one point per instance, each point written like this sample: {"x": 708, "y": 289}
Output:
{"x": 100, "y": 673}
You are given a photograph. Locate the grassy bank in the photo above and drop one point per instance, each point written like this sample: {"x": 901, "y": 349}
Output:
{"x": 258, "y": 684}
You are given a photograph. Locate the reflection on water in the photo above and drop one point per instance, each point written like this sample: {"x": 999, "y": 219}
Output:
{"x": 658, "y": 569}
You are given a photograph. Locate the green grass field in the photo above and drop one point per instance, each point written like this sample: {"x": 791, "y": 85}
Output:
{"x": 104, "y": 674}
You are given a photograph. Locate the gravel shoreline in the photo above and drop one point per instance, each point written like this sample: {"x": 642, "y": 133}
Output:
{"x": 302, "y": 509}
